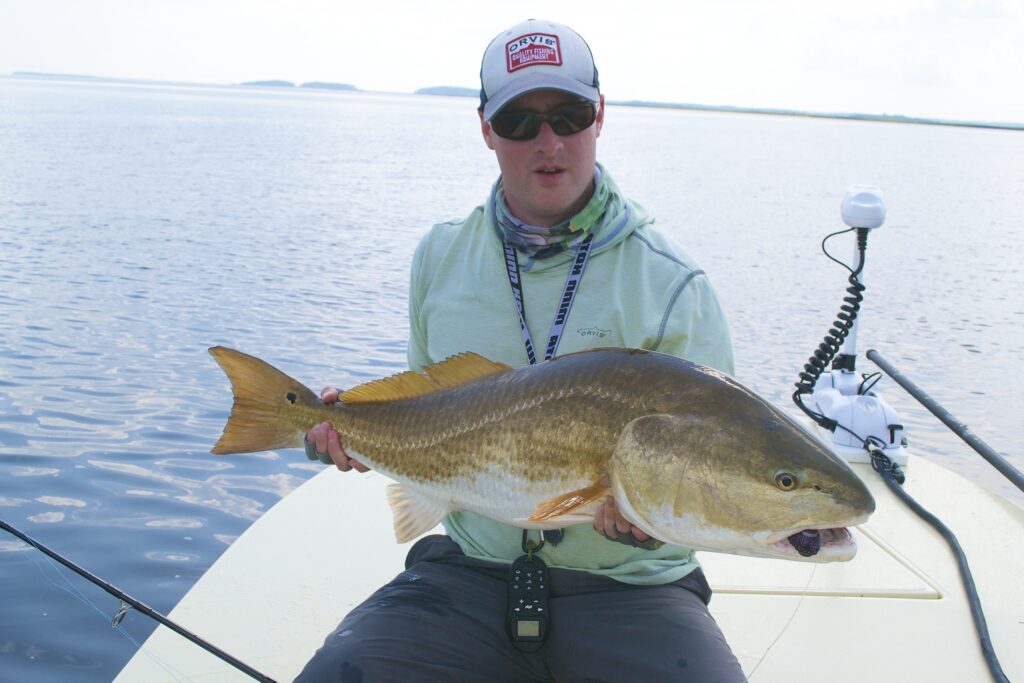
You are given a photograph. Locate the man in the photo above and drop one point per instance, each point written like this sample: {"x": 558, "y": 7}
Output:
{"x": 555, "y": 240}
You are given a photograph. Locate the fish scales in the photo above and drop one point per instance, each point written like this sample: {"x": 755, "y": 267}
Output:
{"x": 530, "y": 428}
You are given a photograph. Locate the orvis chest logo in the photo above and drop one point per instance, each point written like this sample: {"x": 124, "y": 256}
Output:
{"x": 531, "y": 49}
{"x": 593, "y": 332}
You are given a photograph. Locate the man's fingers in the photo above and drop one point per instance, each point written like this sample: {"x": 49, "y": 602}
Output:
{"x": 622, "y": 524}
{"x": 614, "y": 518}
{"x": 329, "y": 394}
{"x": 336, "y": 452}
{"x": 608, "y": 523}
{"x": 340, "y": 457}
{"x": 318, "y": 435}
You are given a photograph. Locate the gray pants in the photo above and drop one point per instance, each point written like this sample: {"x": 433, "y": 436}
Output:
{"x": 443, "y": 619}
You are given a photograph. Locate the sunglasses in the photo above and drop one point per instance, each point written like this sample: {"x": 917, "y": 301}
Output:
{"x": 525, "y": 125}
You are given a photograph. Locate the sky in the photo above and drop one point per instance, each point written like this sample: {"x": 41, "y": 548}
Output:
{"x": 953, "y": 59}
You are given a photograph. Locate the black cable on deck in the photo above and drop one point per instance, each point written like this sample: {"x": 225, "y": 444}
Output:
{"x": 884, "y": 466}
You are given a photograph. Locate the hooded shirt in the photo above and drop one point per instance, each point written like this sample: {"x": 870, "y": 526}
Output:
{"x": 639, "y": 290}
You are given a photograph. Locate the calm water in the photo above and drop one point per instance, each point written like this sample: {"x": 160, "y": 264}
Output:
{"x": 140, "y": 225}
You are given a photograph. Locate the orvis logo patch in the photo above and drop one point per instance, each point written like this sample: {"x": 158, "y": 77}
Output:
{"x": 531, "y": 49}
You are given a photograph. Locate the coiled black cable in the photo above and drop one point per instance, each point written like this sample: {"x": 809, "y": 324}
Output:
{"x": 837, "y": 334}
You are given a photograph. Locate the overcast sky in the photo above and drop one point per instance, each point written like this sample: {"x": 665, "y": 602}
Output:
{"x": 938, "y": 58}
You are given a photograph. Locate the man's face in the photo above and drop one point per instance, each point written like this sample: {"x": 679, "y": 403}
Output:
{"x": 550, "y": 178}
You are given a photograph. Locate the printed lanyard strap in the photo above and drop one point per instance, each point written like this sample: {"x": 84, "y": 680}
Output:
{"x": 572, "y": 285}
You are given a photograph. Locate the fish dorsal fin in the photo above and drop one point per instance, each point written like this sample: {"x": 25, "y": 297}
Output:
{"x": 451, "y": 372}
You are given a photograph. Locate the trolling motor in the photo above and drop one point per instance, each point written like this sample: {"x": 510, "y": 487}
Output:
{"x": 838, "y": 400}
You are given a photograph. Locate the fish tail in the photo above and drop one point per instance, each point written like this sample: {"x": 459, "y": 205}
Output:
{"x": 271, "y": 410}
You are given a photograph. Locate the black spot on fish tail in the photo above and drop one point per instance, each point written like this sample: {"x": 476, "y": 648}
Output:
{"x": 291, "y": 397}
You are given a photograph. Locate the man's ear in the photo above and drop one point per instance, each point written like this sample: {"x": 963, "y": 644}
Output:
{"x": 600, "y": 116}
{"x": 485, "y": 130}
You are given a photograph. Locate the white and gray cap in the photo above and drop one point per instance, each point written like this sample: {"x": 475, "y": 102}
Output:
{"x": 536, "y": 55}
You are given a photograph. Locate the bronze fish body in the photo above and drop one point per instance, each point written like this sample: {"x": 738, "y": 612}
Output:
{"x": 691, "y": 456}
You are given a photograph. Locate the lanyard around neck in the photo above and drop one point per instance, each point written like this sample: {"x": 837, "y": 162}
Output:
{"x": 572, "y": 285}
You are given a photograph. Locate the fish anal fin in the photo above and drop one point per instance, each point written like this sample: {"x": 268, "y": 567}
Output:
{"x": 451, "y": 372}
{"x": 568, "y": 504}
{"x": 414, "y": 514}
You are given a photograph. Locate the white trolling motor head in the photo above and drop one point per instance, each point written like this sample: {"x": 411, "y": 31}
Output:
{"x": 840, "y": 394}
{"x": 863, "y": 207}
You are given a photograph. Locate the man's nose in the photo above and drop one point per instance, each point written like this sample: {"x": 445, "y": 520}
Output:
{"x": 547, "y": 138}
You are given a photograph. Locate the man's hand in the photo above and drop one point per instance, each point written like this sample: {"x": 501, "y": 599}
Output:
{"x": 610, "y": 523}
{"x": 327, "y": 442}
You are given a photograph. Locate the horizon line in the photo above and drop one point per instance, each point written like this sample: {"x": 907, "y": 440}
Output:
{"x": 460, "y": 91}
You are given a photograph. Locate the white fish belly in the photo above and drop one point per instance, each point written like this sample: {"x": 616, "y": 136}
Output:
{"x": 499, "y": 496}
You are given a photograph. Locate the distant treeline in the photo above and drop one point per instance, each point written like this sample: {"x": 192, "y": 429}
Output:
{"x": 449, "y": 91}
{"x": 317, "y": 85}
{"x": 889, "y": 118}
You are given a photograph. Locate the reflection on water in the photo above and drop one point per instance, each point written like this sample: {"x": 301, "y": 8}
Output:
{"x": 139, "y": 226}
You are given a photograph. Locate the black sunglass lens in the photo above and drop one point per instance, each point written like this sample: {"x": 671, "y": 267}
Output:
{"x": 571, "y": 120}
{"x": 516, "y": 125}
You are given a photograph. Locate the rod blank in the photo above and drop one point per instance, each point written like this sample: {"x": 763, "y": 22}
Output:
{"x": 958, "y": 427}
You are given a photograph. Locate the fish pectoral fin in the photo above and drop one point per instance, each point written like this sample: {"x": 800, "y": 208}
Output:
{"x": 568, "y": 503}
{"x": 414, "y": 514}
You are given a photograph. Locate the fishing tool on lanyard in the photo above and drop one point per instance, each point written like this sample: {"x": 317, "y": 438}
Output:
{"x": 528, "y": 618}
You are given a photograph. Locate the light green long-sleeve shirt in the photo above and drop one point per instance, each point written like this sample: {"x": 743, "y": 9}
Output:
{"x": 639, "y": 290}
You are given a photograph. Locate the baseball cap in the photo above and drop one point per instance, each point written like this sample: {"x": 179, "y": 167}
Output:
{"x": 535, "y": 55}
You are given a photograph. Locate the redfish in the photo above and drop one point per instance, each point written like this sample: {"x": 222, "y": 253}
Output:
{"x": 691, "y": 456}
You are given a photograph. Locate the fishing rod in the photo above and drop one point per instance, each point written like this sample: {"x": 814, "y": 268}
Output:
{"x": 955, "y": 425}
{"x": 141, "y": 607}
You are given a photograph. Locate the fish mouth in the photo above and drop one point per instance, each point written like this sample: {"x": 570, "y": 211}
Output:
{"x": 830, "y": 542}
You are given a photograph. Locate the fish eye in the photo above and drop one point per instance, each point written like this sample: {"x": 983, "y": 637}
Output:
{"x": 786, "y": 481}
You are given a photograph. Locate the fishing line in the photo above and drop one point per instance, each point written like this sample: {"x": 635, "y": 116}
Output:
{"x": 803, "y": 594}
{"x": 141, "y": 607}
{"x": 115, "y": 623}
